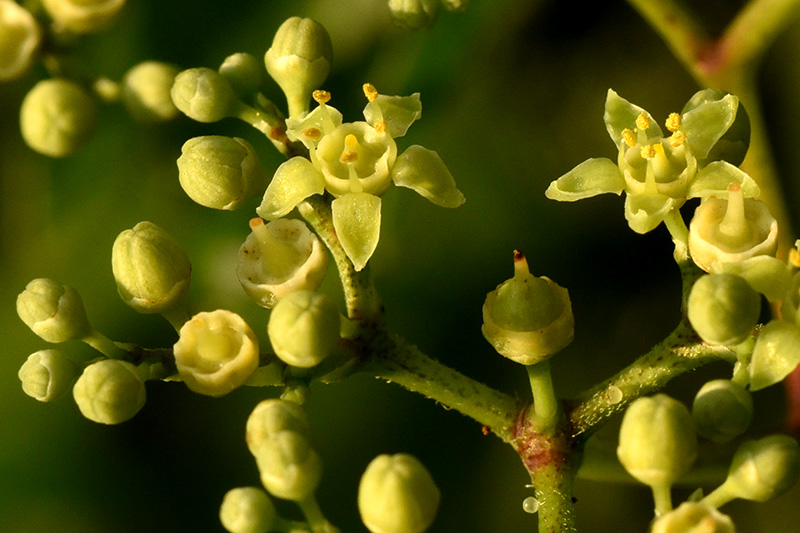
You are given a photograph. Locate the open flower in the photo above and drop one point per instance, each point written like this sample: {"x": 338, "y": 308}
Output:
{"x": 357, "y": 162}
{"x": 658, "y": 173}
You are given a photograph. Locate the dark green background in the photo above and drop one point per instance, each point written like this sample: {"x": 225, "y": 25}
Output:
{"x": 512, "y": 96}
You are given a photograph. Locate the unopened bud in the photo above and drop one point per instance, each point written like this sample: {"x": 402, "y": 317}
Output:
{"x": 151, "y": 269}
{"x": 299, "y": 60}
{"x": 53, "y": 311}
{"x": 244, "y": 72}
{"x": 146, "y": 91}
{"x": 109, "y": 391}
{"x": 304, "y": 328}
{"x": 203, "y": 94}
{"x": 414, "y": 14}
{"x": 723, "y": 308}
{"x": 247, "y": 510}
{"x": 272, "y": 416}
{"x": 764, "y": 469}
{"x": 397, "y": 495}
{"x": 19, "y": 39}
{"x": 47, "y": 374}
{"x": 57, "y": 117}
{"x": 289, "y": 466}
{"x": 722, "y": 410}
{"x": 83, "y": 16}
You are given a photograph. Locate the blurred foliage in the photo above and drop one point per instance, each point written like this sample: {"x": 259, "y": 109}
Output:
{"x": 513, "y": 94}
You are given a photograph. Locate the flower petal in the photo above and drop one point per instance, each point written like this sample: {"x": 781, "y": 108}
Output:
{"x": 705, "y": 124}
{"x": 294, "y": 181}
{"x": 590, "y": 178}
{"x": 767, "y": 275}
{"x": 313, "y": 126}
{"x": 357, "y": 221}
{"x": 398, "y": 112}
{"x": 424, "y": 171}
{"x": 620, "y": 115}
{"x": 713, "y": 180}
{"x": 646, "y": 211}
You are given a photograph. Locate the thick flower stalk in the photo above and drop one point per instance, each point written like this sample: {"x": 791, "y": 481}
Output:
{"x": 356, "y": 162}
{"x": 659, "y": 173}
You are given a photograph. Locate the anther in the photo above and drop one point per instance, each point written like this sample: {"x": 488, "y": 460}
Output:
{"x": 642, "y": 121}
{"x": 312, "y": 133}
{"x": 648, "y": 152}
{"x": 370, "y": 91}
{"x": 380, "y": 126}
{"x": 629, "y": 137}
{"x": 673, "y": 122}
{"x": 321, "y": 97}
{"x": 677, "y": 139}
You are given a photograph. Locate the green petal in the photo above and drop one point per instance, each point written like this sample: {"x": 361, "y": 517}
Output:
{"x": 620, "y": 114}
{"x": 294, "y": 181}
{"x": 399, "y": 112}
{"x": 775, "y": 355}
{"x": 324, "y": 118}
{"x": 590, "y": 178}
{"x": 357, "y": 221}
{"x": 646, "y": 211}
{"x": 713, "y": 180}
{"x": 424, "y": 171}
{"x": 707, "y": 123}
{"x": 767, "y": 275}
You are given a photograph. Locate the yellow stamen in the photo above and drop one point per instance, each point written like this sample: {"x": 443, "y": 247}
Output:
{"x": 677, "y": 139}
{"x": 648, "y": 152}
{"x": 349, "y": 157}
{"x": 370, "y": 91}
{"x": 673, "y": 122}
{"x": 380, "y": 126}
{"x": 794, "y": 257}
{"x": 629, "y": 137}
{"x": 321, "y": 97}
{"x": 642, "y": 121}
{"x": 313, "y": 133}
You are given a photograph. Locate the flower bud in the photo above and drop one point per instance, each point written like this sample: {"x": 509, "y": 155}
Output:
{"x": 247, "y": 510}
{"x": 244, "y": 72}
{"x": 723, "y": 308}
{"x": 304, "y": 328}
{"x": 528, "y": 319}
{"x": 414, "y": 14}
{"x": 203, "y": 94}
{"x": 83, "y": 16}
{"x": 775, "y": 355}
{"x": 657, "y": 441}
{"x": 47, "y": 374}
{"x": 220, "y": 172}
{"x": 57, "y": 117}
{"x": 455, "y": 5}
{"x": 722, "y": 410}
{"x": 146, "y": 91}
{"x": 19, "y": 39}
{"x": 764, "y": 469}
{"x": 731, "y": 230}
{"x": 397, "y": 495}
{"x": 53, "y": 311}
{"x": 272, "y": 416}
{"x": 289, "y": 466}
{"x": 299, "y": 60}
{"x": 109, "y": 391}
{"x": 279, "y": 258}
{"x": 693, "y": 517}
{"x": 216, "y": 352}
{"x": 151, "y": 269}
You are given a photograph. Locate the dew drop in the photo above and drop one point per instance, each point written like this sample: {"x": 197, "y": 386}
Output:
{"x": 530, "y": 505}
{"x": 613, "y": 395}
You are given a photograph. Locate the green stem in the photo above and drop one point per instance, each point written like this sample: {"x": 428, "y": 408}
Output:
{"x": 316, "y": 520}
{"x": 662, "y": 496}
{"x": 394, "y": 360}
{"x": 679, "y": 353}
{"x": 719, "y": 497}
{"x": 545, "y": 404}
{"x": 361, "y": 297}
{"x": 104, "y": 345}
{"x": 272, "y": 126}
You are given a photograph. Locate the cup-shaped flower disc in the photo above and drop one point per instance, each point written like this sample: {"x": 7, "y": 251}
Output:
{"x": 279, "y": 258}
{"x": 775, "y": 354}
{"x": 423, "y": 171}
{"x": 216, "y": 353}
{"x": 357, "y": 220}
{"x": 355, "y": 157}
{"x": 109, "y": 391}
{"x": 294, "y": 181}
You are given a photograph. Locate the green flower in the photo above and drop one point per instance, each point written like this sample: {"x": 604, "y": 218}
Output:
{"x": 357, "y": 162}
{"x": 657, "y": 173}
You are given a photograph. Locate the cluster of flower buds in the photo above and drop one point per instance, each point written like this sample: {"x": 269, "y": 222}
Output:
{"x": 397, "y": 495}
{"x": 278, "y": 437}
